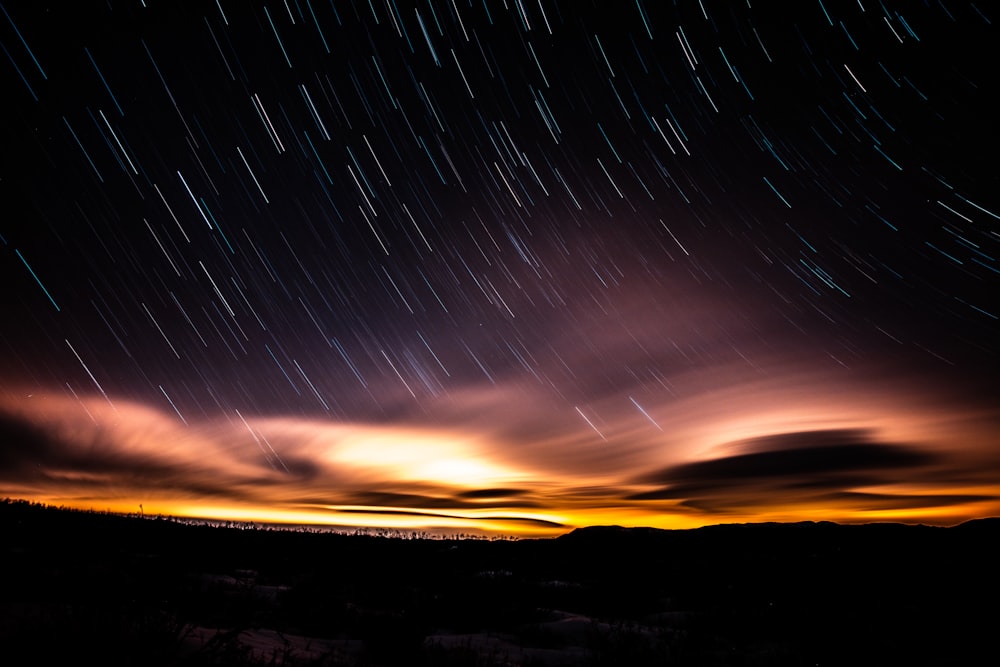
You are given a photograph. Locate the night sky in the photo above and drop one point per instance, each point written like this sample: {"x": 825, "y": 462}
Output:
{"x": 502, "y": 265}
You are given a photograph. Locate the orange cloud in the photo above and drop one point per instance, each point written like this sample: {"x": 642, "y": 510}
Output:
{"x": 760, "y": 450}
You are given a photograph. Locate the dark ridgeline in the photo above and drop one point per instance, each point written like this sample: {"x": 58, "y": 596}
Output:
{"x": 113, "y": 590}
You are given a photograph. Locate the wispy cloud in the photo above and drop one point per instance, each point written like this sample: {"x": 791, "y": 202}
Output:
{"x": 88, "y": 452}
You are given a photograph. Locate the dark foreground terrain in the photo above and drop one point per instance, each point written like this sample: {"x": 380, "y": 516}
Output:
{"x": 100, "y": 589}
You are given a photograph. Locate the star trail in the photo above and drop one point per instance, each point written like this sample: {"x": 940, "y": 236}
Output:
{"x": 502, "y": 265}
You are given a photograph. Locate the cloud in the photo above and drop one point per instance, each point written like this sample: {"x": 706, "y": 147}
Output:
{"x": 22, "y": 444}
{"x": 718, "y": 456}
{"x": 825, "y": 469}
{"x": 491, "y": 494}
{"x": 462, "y": 500}
{"x": 889, "y": 501}
{"x": 802, "y": 457}
{"x": 35, "y": 455}
{"x": 440, "y": 515}
{"x": 845, "y": 502}
{"x": 70, "y": 451}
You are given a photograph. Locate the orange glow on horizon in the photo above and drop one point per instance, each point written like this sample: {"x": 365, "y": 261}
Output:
{"x": 752, "y": 463}
{"x": 511, "y": 523}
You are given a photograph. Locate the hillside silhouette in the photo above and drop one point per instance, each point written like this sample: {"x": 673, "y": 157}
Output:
{"x": 116, "y": 590}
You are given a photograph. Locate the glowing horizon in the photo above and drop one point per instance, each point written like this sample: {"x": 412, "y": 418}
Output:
{"x": 95, "y": 453}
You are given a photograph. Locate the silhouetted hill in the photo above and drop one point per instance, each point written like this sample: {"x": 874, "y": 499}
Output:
{"x": 127, "y": 590}
{"x": 988, "y": 524}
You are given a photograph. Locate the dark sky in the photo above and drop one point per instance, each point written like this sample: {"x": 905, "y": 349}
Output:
{"x": 502, "y": 264}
